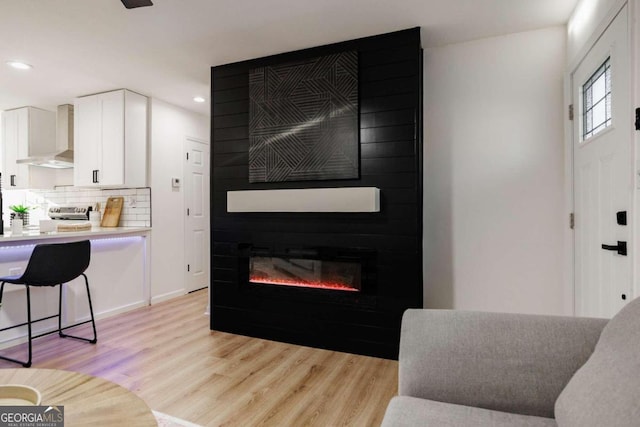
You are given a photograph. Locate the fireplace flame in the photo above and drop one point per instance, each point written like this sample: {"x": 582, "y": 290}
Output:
{"x": 336, "y": 286}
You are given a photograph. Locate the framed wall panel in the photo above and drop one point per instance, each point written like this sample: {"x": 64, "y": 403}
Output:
{"x": 303, "y": 120}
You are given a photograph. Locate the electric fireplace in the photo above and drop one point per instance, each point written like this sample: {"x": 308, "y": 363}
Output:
{"x": 306, "y": 273}
{"x": 343, "y": 270}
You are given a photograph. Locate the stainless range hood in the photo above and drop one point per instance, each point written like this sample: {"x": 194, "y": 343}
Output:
{"x": 62, "y": 157}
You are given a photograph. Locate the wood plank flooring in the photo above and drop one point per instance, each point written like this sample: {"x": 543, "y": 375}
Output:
{"x": 167, "y": 355}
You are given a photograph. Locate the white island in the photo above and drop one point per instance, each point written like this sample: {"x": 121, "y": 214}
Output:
{"x": 118, "y": 274}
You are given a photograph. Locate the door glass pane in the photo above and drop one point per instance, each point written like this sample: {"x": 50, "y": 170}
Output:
{"x": 596, "y": 101}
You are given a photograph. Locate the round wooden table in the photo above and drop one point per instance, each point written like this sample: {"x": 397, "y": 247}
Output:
{"x": 87, "y": 400}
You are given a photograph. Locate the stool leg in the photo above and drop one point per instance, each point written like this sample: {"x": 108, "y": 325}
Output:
{"x": 1, "y": 293}
{"x": 28, "y": 364}
{"x": 60, "y": 312}
{"x": 93, "y": 322}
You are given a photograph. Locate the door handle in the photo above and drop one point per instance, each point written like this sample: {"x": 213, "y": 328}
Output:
{"x": 13, "y": 180}
{"x": 621, "y": 248}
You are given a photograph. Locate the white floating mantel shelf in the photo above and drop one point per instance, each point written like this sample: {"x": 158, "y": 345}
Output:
{"x": 344, "y": 199}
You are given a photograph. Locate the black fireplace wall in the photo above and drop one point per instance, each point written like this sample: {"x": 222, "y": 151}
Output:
{"x": 390, "y": 92}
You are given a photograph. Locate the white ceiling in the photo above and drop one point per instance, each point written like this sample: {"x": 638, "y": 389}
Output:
{"x": 78, "y": 47}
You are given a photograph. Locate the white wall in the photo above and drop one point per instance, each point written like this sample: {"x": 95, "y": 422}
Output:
{"x": 170, "y": 125}
{"x": 493, "y": 174}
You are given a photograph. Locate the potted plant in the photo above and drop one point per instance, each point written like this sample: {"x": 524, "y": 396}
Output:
{"x": 20, "y": 212}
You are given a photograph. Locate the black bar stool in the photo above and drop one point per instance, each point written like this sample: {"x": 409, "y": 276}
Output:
{"x": 53, "y": 265}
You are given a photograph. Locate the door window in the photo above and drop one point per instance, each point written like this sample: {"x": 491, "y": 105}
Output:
{"x": 596, "y": 101}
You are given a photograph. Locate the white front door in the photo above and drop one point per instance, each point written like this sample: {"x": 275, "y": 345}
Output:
{"x": 196, "y": 191}
{"x": 602, "y": 174}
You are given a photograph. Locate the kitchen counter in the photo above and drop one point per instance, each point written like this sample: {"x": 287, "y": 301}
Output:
{"x": 119, "y": 277}
{"x": 35, "y": 235}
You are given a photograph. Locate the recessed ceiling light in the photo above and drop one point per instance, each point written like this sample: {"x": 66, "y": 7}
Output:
{"x": 19, "y": 65}
{"x": 198, "y": 99}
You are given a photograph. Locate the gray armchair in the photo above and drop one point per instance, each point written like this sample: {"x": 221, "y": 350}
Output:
{"x": 487, "y": 369}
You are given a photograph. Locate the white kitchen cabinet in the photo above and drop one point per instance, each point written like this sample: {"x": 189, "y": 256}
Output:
{"x": 26, "y": 131}
{"x": 110, "y": 136}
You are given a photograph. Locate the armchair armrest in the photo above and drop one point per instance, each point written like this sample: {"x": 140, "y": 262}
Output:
{"x": 508, "y": 362}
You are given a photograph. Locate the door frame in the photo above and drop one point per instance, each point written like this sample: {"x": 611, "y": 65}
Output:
{"x": 633, "y": 34}
{"x": 207, "y": 257}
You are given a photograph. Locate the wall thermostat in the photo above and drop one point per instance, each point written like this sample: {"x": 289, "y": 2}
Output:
{"x": 175, "y": 182}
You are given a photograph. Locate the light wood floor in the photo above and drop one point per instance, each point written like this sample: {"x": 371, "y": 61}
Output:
{"x": 167, "y": 355}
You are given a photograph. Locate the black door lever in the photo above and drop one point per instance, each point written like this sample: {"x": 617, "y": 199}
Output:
{"x": 621, "y": 248}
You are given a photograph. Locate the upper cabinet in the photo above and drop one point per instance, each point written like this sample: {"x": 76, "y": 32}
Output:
{"x": 110, "y": 137}
{"x": 26, "y": 131}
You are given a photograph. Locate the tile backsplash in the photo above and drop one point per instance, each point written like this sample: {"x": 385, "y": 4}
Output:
{"x": 136, "y": 211}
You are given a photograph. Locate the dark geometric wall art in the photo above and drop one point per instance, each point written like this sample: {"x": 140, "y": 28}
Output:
{"x": 303, "y": 120}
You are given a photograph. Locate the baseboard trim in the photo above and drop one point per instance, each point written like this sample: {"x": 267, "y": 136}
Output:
{"x": 169, "y": 295}
{"x": 118, "y": 310}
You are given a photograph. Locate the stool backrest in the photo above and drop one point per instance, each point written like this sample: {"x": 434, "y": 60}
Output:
{"x": 57, "y": 263}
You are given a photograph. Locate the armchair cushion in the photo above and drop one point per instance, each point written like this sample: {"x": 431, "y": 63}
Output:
{"x": 606, "y": 389}
{"x": 505, "y": 362}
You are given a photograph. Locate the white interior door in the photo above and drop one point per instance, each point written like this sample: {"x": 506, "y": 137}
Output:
{"x": 196, "y": 190}
{"x": 602, "y": 174}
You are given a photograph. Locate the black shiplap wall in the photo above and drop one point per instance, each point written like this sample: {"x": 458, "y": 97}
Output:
{"x": 390, "y": 75}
